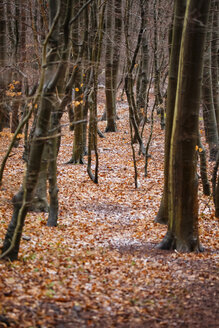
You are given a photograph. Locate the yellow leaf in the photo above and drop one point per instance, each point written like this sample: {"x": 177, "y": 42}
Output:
{"x": 77, "y": 103}
{"x": 196, "y": 147}
{"x": 200, "y": 150}
{"x": 76, "y": 89}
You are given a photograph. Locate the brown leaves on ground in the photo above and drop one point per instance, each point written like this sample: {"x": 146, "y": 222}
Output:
{"x": 100, "y": 267}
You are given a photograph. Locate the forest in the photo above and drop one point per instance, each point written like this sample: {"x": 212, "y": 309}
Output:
{"x": 109, "y": 184}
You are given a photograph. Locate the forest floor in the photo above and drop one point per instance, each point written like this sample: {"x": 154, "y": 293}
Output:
{"x": 100, "y": 267}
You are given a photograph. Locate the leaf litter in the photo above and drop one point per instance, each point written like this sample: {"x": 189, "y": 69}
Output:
{"x": 100, "y": 267}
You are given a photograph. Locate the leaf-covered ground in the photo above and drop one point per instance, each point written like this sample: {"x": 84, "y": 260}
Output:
{"x": 100, "y": 266}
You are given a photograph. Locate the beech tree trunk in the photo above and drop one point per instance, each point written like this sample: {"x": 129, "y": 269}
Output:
{"x": 78, "y": 43}
{"x": 110, "y": 109}
{"x": 179, "y": 12}
{"x": 182, "y": 233}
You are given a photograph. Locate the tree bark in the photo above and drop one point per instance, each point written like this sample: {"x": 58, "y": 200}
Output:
{"x": 179, "y": 12}
{"x": 4, "y": 79}
{"x": 110, "y": 109}
{"x": 209, "y": 113}
{"x": 182, "y": 233}
{"x": 143, "y": 78}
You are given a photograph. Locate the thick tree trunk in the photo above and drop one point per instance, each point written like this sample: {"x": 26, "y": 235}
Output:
{"x": 182, "y": 232}
{"x": 39, "y": 202}
{"x": 179, "y": 12}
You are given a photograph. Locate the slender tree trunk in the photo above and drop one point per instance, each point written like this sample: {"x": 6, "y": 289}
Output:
{"x": 215, "y": 59}
{"x": 4, "y": 116}
{"x": 203, "y": 168}
{"x": 110, "y": 109}
{"x": 116, "y": 48}
{"x": 209, "y": 113}
{"x": 79, "y": 114}
{"x": 97, "y": 27}
{"x": 143, "y": 79}
{"x": 53, "y": 72}
{"x": 157, "y": 88}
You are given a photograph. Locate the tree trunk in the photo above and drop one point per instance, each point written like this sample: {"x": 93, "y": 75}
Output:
{"x": 179, "y": 12}
{"x": 111, "y": 67}
{"x": 209, "y": 116}
{"x": 143, "y": 79}
{"x": 157, "y": 89}
{"x": 215, "y": 59}
{"x": 4, "y": 80}
{"x": 79, "y": 114}
{"x": 39, "y": 202}
{"x": 116, "y": 48}
{"x": 53, "y": 72}
{"x": 182, "y": 232}
{"x": 110, "y": 109}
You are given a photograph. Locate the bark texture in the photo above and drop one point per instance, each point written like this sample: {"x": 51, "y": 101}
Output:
{"x": 179, "y": 12}
{"x": 183, "y": 183}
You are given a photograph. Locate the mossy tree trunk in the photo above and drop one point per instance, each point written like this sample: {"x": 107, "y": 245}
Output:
{"x": 182, "y": 233}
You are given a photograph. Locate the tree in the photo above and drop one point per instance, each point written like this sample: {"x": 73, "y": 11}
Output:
{"x": 209, "y": 110}
{"x": 56, "y": 46}
{"x": 78, "y": 143}
{"x": 113, "y": 31}
{"x": 143, "y": 70}
{"x": 182, "y": 231}
{"x": 179, "y": 12}
{"x": 4, "y": 76}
